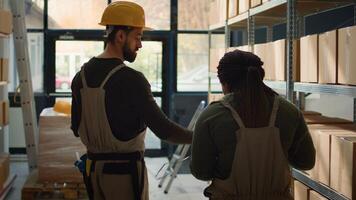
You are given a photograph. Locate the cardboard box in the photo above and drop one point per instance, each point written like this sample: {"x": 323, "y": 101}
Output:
{"x": 343, "y": 165}
{"x": 315, "y": 196}
{"x": 4, "y": 69}
{"x": 214, "y": 97}
{"x": 279, "y": 60}
{"x": 328, "y": 57}
{"x": 260, "y": 51}
{"x": 233, "y": 8}
{"x": 223, "y": 6}
{"x": 4, "y": 168}
{"x": 309, "y": 59}
{"x": 324, "y": 149}
{"x": 213, "y": 12}
{"x": 255, "y": 3}
{"x": 308, "y": 112}
{"x": 215, "y": 56}
{"x": 300, "y": 191}
{"x": 57, "y": 149}
{"x": 244, "y": 5}
{"x": 5, "y": 21}
{"x": 346, "y": 55}
{"x": 319, "y": 119}
{"x": 313, "y": 173}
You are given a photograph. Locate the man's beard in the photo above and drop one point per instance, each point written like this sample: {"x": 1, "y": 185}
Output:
{"x": 128, "y": 54}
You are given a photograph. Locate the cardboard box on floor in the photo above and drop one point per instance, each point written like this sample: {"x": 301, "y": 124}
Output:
{"x": 315, "y": 196}
{"x": 343, "y": 165}
{"x": 328, "y": 57}
{"x": 300, "y": 191}
{"x": 57, "y": 149}
{"x": 346, "y": 55}
{"x": 4, "y": 168}
{"x": 233, "y": 8}
{"x": 309, "y": 59}
{"x": 5, "y": 21}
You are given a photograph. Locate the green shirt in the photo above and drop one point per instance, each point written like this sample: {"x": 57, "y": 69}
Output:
{"x": 214, "y": 139}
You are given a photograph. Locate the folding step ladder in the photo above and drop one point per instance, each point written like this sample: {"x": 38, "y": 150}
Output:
{"x": 180, "y": 154}
{"x": 24, "y": 72}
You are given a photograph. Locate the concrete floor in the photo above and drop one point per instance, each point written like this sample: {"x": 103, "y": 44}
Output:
{"x": 184, "y": 187}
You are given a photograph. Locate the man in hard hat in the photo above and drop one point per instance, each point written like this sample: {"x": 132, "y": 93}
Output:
{"x": 113, "y": 105}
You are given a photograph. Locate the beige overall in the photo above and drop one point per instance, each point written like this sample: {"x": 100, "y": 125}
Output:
{"x": 260, "y": 169}
{"x": 118, "y": 170}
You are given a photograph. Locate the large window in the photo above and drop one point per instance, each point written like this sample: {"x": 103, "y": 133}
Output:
{"x": 75, "y": 14}
{"x": 193, "y": 15}
{"x": 157, "y": 13}
{"x": 70, "y": 56}
{"x": 35, "y": 50}
{"x": 149, "y": 62}
{"x": 192, "y": 62}
{"x": 34, "y": 14}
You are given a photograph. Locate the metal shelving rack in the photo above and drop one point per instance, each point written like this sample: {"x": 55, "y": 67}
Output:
{"x": 293, "y": 12}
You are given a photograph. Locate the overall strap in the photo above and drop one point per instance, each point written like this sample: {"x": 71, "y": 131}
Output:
{"x": 117, "y": 68}
{"x": 273, "y": 117}
{"x": 235, "y": 115}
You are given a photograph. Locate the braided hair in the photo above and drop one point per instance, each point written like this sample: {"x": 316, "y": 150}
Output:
{"x": 242, "y": 72}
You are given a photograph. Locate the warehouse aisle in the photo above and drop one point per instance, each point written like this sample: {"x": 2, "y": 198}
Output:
{"x": 185, "y": 187}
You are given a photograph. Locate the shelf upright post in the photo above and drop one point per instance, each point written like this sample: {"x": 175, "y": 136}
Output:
{"x": 301, "y": 33}
{"x": 209, "y": 74}
{"x": 291, "y": 35}
{"x": 227, "y": 36}
{"x": 24, "y": 72}
{"x": 251, "y": 31}
{"x": 269, "y": 33}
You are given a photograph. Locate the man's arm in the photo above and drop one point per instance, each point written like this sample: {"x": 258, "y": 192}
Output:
{"x": 155, "y": 119}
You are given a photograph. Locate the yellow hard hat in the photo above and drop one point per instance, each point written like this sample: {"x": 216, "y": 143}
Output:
{"x": 62, "y": 107}
{"x": 124, "y": 13}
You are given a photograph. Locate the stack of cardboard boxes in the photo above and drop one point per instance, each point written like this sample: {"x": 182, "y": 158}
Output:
{"x": 5, "y": 31}
{"x": 328, "y": 58}
{"x": 56, "y": 160}
{"x": 220, "y": 10}
{"x": 334, "y": 140}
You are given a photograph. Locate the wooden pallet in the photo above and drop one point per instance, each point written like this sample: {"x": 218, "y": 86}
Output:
{"x": 35, "y": 190}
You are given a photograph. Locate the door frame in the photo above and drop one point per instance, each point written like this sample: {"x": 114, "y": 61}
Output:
{"x": 98, "y": 35}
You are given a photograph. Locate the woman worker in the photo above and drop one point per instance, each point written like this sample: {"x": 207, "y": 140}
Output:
{"x": 246, "y": 142}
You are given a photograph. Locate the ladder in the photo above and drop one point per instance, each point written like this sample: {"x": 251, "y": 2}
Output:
{"x": 180, "y": 154}
{"x": 24, "y": 72}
